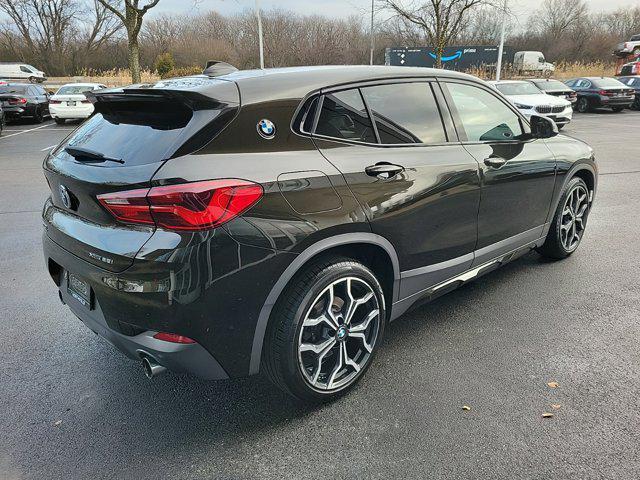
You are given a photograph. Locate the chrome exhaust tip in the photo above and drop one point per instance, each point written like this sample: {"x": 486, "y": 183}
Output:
{"x": 151, "y": 368}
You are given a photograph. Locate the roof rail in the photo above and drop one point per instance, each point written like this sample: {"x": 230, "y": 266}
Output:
{"x": 216, "y": 68}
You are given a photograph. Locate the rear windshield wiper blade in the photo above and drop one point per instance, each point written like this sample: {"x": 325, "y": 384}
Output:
{"x": 84, "y": 154}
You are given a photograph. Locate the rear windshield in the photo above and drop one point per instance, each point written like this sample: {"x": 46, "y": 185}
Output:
{"x": 135, "y": 133}
{"x": 519, "y": 88}
{"x": 607, "y": 83}
{"x": 74, "y": 89}
{"x": 551, "y": 85}
{"x": 18, "y": 89}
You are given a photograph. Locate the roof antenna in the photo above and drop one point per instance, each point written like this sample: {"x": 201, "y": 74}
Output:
{"x": 216, "y": 68}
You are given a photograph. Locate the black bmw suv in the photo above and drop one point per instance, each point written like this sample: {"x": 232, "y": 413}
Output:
{"x": 275, "y": 221}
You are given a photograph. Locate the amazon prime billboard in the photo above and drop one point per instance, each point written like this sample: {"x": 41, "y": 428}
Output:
{"x": 461, "y": 57}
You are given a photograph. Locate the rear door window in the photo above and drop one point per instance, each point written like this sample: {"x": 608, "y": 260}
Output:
{"x": 344, "y": 116}
{"x": 405, "y": 113}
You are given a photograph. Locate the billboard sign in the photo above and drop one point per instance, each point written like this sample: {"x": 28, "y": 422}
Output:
{"x": 460, "y": 57}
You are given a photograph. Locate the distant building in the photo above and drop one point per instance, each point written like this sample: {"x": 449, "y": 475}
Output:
{"x": 461, "y": 57}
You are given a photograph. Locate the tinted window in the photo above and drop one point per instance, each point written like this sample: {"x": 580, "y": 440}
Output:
{"x": 344, "y": 116}
{"x": 483, "y": 116}
{"x": 518, "y": 88}
{"x": 24, "y": 69}
{"x": 405, "y": 113}
{"x": 608, "y": 83}
{"x": 13, "y": 89}
{"x": 74, "y": 89}
{"x": 136, "y": 133}
{"x": 551, "y": 85}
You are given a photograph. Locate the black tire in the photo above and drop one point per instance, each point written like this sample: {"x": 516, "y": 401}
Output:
{"x": 583, "y": 105}
{"x": 37, "y": 115}
{"x": 33, "y": 79}
{"x": 636, "y": 103}
{"x": 554, "y": 246}
{"x": 283, "y": 354}
{"x": 617, "y": 109}
{"x": 59, "y": 121}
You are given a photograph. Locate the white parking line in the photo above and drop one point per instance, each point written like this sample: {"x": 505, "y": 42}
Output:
{"x": 25, "y": 131}
{"x": 49, "y": 148}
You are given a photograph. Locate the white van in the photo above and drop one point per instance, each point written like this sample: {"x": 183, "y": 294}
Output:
{"x": 21, "y": 71}
{"x": 530, "y": 61}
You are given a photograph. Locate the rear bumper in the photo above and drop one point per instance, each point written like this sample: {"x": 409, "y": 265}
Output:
{"x": 615, "y": 102}
{"x": 210, "y": 289}
{"x": 66, "y": 112}
{"x": 180, "y": 358}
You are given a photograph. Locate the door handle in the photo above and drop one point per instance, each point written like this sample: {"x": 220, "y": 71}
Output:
{"x": 495, "y": 162}
{"x": 383, "y": 170}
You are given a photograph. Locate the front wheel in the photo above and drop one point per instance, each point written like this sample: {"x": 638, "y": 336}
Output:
{"x": 325, "y": 330}
{"x": 617, "y": 109}
{"x": 569, "y": 221}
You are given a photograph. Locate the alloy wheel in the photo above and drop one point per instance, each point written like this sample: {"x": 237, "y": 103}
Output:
{"x": 574, "y": 216}
{"x": 338, "y": 334}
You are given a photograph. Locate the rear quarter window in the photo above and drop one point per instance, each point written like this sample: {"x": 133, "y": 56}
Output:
{"x": 344, "y": 116}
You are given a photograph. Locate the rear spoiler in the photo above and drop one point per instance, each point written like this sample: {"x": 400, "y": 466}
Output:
{"x": 195, "y": 93}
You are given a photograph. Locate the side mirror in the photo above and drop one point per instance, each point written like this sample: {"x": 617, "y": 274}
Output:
{"x": 542, "y": 127}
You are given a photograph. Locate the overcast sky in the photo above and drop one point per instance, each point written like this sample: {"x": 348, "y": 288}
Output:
{"x": 344, "y": 8}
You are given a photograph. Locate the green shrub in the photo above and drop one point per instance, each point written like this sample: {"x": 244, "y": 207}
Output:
{"x": 183, "y": 71}
{"x": 164, "y": 64}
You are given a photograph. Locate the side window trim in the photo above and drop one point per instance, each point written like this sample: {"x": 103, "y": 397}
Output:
{"x": 371, "y": 117}
{"x": 462, "y": 134}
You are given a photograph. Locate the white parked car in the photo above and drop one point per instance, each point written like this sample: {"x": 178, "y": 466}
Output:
{"x": 70, "y": 102}
{"x": 530, "y": 100}
{"x": 21, "y": 71}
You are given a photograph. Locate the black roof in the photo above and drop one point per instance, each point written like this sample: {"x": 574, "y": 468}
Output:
{"x": 296, "y": 82}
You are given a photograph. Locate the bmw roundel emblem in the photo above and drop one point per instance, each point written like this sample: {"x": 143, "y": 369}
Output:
{"x": 266, "y": 129}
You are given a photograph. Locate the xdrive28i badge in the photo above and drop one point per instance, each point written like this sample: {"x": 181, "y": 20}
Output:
{"x": 65, "y": 196}
{"x": 266, "y": 129}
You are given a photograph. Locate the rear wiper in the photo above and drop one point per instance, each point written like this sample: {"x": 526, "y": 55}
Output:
{"x": 86, "y": 155}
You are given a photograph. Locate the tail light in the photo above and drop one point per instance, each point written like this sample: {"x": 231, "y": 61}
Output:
{"x": 173, "y": 338}
{"x": 54, "y": 102}
{"x": 187, "y": 206}
{"x": 605, "y": 93}
{"x": 17, "y": 101}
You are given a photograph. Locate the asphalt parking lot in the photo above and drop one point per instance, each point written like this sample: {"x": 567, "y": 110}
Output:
{"x": 73, "y": 407}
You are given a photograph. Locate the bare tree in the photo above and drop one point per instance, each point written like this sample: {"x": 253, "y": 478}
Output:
{"x": 55, "y": 34}
{"x": 131, "y": 14}
{"x": 440, "y": 20}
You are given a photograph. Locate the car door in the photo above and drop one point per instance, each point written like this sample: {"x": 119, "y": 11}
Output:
{"x": 517, "y": 171}
{"x": 419, "y": 187}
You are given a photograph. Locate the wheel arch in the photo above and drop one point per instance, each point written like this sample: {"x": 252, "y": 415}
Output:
{"x": 375, "y": 251}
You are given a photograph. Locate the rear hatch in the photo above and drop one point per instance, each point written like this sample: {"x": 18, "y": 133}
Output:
{"x": 133, "y": 132}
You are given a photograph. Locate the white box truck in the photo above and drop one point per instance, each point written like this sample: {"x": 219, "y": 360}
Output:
{"x": 530, "y": 61}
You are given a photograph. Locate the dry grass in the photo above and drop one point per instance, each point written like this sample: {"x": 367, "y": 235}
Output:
{"x": 564, "y": 70}
{"x": 111, "y": 78}
{"x": 121, "y": 77}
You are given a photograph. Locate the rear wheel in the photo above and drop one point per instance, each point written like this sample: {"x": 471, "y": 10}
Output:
{"x": 325, "y": 330}
{"x": 617, "y": 109}
{"x": 59, "y": 121}
{"x": 569, "y": 222}
{"x": 583, "y": 105}
{"x": 37, "y": 115}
